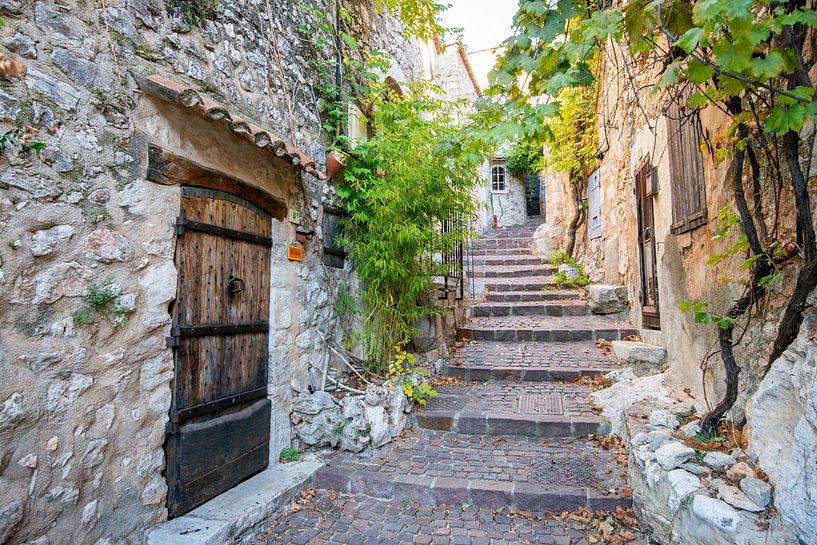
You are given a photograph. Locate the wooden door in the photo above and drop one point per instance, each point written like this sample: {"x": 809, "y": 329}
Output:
{"x": 219, "y": 427}
{"x": 533, "y": 187}
{"x": 644, "y": 184}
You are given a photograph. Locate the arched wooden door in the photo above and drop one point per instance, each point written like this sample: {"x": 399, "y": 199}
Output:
{"x": 220, "y": 416}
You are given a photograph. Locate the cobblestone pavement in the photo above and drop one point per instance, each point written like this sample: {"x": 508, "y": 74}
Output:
{"x": 546, "y": 322}
{"x": 578, "y": 355}
{"x": 510, "y": 397}
{"x": 338, "y": 519}
{"x": 516, "y": 435}
{"x": 431, "y": 453}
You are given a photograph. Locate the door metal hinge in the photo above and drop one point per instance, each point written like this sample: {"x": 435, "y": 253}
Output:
{"x": 171, "y": 428}
{"x": 180, "y": 223}
{"x": 172, "y": 341}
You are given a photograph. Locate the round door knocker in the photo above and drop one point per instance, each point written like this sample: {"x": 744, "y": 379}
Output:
{"x": 235, "y": 285}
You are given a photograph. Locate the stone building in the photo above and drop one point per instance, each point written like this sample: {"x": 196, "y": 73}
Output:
{"x": 170, "y": 154}
{"x": 652, "y": 204}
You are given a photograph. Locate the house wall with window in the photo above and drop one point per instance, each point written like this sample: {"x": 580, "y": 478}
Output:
{"x": 685, "y": 187}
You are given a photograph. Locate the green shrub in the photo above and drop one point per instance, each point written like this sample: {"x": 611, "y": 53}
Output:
{"x": 289, "y": 454}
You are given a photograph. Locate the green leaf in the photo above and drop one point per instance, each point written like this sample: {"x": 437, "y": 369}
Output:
{"x": 769, "y": 67}
{"x": 698, "y": 72}
{"x": 690, "y": 39}
{"x": 670, "y": 76}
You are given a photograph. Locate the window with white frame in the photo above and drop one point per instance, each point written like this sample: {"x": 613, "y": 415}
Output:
{"x": 498, "y": 179}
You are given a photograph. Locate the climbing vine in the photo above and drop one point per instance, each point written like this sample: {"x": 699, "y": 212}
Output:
{"x": 524, "y": 157}
{"x": 399, "y": 187}
{"x": 744, "y": 57}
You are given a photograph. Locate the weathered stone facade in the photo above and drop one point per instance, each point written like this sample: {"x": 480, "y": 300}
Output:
{"x": 84, "y": 405}
{"x": 633, "y": 131}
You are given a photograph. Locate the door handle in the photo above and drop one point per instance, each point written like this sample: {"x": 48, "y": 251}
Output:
{"x": 235, "y": 285}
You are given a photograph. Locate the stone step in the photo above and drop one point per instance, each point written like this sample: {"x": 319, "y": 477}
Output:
{"x": 528, "y": 409}
{"x": 528, "y": 361}
{"x": 525, "y": 283}
{"x": 478, "y": 252}
{"x": 512, "y": 271}
{"x": 494, "y": 243}
{"x": 531, "y": 308}
{"x": 545, "y": 328}
{"x": 532, "y": 296}
{"x": 509, "y": 232}
{"x": 434, "y": 467}
{"x": 509, "y": 259}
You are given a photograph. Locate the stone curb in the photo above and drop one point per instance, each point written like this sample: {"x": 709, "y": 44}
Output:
{"x": 495, "y": 310}
{"x": 529, "y": 296}
{"x": 489, "y": 261}
{"x": 521, "y": 425}
{"x": 524, "y": 374}
{"x": 485, "y": 271}
{"x": 545, "y": 283}
{"x": 477, "y": 492}
{"x": 548, "y": 335}
{"x": 480, "y": 252}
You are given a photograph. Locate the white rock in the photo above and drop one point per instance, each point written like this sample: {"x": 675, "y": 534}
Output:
{"x": 716, "y": 513}
{"x": 12, "y": 413}
{"x": 673, "y": 454}
{"x": 644, "y": 359}
{"x": 11, "y": 515}
{"x": 782, "y": 418}
{"x": 662, "y": 418}
{"x": 53, "y": 443}
{"x": 656, "y": 439}
{"x": 89, "y": 515}
{"x": 695, "y": 469}
{"x": 94, "y": 453}
{"x": 606, "y": 299}
{"x": 379, "y": 431}
{"x": 683, "y": 484}
{"x": 758, "y": 491}
{"x": 739, "y": 471}
{"x": 719, "y": 460}
{"x": 734, "y": 497}
{"x": 621, "y": 395}
{"x": 155, "y": 492}
{"x": 44, "y": 242}
{"x": 105, "y": 246}
{"x": 691, "y": 429}
{"x": 29, "y": 461}
{"x": 545, "y": 239}
{"x": 620, "y": 375}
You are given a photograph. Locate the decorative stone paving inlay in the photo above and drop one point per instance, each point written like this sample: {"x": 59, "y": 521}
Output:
{"x": 539, "y": 404}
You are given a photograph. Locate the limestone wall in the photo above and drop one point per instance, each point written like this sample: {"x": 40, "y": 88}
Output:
{"x": 83, "y": 407}
{"x": 628, "y": 133}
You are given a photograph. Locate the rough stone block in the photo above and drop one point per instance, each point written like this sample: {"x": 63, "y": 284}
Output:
{"x": 758, "y": 491}
{"x": 450, "y": 491}
{"x": 644, "y": 359}
{"x": 490, "y": 494}
{"x": 672, "y": 454}
{"x": 606, "y": 299}
{"x": 716, "y": 513}
{"x": 416, "y": 488}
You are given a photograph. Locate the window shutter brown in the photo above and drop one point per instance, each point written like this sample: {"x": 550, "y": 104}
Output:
{"x": 687, "y": 183}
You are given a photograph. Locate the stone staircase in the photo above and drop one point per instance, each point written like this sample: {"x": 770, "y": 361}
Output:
{"x": 517, "y": 433}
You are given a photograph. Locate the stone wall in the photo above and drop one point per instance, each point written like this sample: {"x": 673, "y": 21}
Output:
{"x": 779, "y": 409}
{"x": 83, "y": 407}
{"x": 629, "y": 132}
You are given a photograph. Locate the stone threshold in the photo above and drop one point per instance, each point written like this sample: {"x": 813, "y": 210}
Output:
{"x": 511, "y": 424}
{"x": 523, "y": 374}
{"x": 530, "y": 308}
{"x": 532, "y": 296}
{"x": 239, "y": 514}
{"x": 544, "y": 334}
{"x": 476, "y": 492}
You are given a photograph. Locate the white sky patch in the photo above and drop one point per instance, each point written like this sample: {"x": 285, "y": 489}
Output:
{"x": 485, "y": 24}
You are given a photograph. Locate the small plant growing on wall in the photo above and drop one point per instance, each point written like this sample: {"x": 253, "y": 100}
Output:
{"x": 571, "y": 272}
{"x": 101, "y": 300}
{"x": 289, "y": 454}
{"x": 409, "y": 379}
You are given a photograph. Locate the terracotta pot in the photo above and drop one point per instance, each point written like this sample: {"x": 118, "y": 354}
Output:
{"x": 336, "y": 162}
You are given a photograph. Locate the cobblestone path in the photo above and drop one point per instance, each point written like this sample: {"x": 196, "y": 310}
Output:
{"x": 510, "y": 452}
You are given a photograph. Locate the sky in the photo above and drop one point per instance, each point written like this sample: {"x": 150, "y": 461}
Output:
{"x": 485, "y": 23}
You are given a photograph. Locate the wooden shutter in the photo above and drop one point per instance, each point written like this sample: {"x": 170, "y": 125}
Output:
{"x": 333, "y": 253}
{"x": 594, "y": 205}
{"x": 688, "y": 184}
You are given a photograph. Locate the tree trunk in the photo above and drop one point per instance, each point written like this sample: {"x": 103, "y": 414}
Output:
{"x": 576, "y": 222}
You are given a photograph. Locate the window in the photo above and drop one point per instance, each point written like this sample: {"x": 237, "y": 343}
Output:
{"x": 333, "y": 253}
{"x": 498, "y": 179}
{"x": 688, "y": 185}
